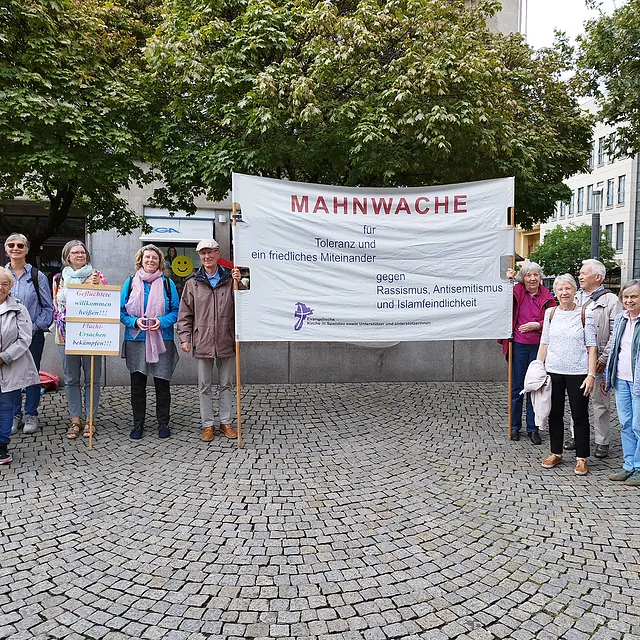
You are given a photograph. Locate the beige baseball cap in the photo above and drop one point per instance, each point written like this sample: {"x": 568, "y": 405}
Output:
{"x": 207, "y": 244}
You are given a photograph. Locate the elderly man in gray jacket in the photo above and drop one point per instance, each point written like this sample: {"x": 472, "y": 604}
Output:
{"x": 604, "y": 305}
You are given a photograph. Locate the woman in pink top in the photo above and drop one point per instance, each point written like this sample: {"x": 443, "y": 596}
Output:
{"x": 530, "y": 300}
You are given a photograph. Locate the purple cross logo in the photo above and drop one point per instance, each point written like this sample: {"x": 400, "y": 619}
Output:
{"x": 302, "y": 313}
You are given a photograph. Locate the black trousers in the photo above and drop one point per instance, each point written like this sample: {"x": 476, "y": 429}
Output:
{"x": 139, "y": 398}
{"x": 579, "y": 404}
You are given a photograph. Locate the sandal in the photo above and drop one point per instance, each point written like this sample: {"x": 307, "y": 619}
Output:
{"x": 87, "y": 429}
{"x": 74, "y": 430}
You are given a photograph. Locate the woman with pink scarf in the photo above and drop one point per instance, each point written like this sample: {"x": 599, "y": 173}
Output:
{"x": 148, "y": 309}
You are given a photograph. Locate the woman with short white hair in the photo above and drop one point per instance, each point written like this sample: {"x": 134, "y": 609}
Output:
{"x": 568, "y": 349}
{"x": 17, "y": 369}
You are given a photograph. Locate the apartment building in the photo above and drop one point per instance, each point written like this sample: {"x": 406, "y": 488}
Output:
{"x": 610, "y": 190}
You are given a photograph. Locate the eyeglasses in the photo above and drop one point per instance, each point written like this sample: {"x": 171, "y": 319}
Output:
{"x": 6, "y": 285}
{"x": 17, "y": 245}
{"x": 77, "y": 253}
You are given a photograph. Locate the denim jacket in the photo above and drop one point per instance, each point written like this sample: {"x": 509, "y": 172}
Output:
{"x": 612, "y": 363}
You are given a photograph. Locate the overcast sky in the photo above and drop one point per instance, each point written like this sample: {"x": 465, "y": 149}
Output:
{"x": 568, "y": 15}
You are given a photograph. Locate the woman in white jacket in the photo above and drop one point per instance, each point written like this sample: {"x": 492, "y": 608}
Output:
{"x": 17, "y": 369}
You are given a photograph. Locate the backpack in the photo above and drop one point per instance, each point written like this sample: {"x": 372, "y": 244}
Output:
{"x": 49, "y": 381}
{"x": 36, "y": 284}
{"x": 584, "y": 310}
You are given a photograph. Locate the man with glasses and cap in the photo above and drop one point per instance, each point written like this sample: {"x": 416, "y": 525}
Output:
{"x": 206, "y": 327}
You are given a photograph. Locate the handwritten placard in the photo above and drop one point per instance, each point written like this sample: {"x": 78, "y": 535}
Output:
{"x": 93, "y": 302}
{"x": 92, "y": 338}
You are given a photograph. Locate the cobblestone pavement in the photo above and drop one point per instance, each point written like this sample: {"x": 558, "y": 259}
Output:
{"x": 354, "y": 512}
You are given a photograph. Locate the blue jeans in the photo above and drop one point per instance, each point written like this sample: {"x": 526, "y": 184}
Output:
{"x": 32, "y": 394}
{"x": 523, "y": 356}
{"x": 7, "y": 405}
{"x": 628, "y": 407}
{"x": 73, "y": 367}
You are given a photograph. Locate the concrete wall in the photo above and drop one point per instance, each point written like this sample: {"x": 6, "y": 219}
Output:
{"x": 309, "y": 362}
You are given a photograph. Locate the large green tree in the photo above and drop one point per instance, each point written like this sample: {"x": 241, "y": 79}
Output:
{"x": 361, "y": 92}
{"x": 564, "y": 249}
{"x": 74, "y": 107}
{"x": 609, "y": 57}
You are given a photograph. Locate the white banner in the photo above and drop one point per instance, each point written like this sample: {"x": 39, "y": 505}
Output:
{"x": 355, "y": 265}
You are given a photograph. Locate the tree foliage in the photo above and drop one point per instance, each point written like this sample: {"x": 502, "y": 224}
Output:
{"x": 360, "y": 92}
{"x": 73, "y": 107}
{"x": 564, "y": 249}
{"x": 609, "y": 57}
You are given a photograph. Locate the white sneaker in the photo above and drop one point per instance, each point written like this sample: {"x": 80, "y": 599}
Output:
{"x": 30, "y": 424}
{"x": 17, "y": 423}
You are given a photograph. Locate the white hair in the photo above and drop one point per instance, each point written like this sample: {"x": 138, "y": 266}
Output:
{"x": 528, "y": 267}
{"x": 5, "y": 274}
{"x": 595, "y": 267}
{"x": 565, "y": 277}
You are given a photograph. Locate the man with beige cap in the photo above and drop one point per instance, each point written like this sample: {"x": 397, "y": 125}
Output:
{"x": 206, "y": 327}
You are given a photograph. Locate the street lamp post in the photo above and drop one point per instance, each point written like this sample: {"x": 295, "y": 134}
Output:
{"x": 595, "y": 224}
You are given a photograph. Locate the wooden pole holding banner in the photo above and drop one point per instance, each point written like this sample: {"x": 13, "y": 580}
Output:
{"x": 91, "y": 407}
{"x": 512, "y": 264}
{"x": 238, "y": 401}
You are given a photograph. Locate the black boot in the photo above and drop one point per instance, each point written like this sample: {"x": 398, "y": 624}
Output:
{"x": 136, "y": 432}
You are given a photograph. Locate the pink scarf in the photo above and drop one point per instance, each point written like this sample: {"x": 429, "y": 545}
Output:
{"x": 155, "y": 308}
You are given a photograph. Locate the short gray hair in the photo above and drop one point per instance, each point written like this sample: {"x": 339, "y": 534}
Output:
{"x": 629, "y": 285}
{"x": 17, "y": 236}
{"x": 596, "y": 267}
{"x": 5, "y": 274}
{"x": 565, "y": 277}
{"x": 66, "y": 250}
{"x": 528, "y": 267}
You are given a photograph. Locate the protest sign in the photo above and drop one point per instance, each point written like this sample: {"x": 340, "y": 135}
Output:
{"x": 353, "y": 264}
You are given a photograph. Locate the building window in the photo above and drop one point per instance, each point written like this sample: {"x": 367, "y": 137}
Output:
{"x": 611, "y": 188}
{"x": 622, "y": 180}
{"x": 619, "y": 235}
{"x": 591, "y": 157}
{"x": 601, "y": 146}
{"x": 580, "y": 200}
{"x": 590, "y": 197}
{"x": 611, "y": 153}
{"x": 554, "y": 215}
{"x": 572, "y": 203}
{"x": 563, "y": 209}
{"x": 608, "y": 232}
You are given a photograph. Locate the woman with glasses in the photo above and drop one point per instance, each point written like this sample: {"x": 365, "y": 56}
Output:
{"x": 77, "y": 270}
{"x": 31, "y": 288}
{"x": 17, "y": 369}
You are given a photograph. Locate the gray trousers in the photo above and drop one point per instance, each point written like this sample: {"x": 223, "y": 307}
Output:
{"x": 73, "y": 367}
{"x": 226, "y": 368}
{"x": 601, "y": 405}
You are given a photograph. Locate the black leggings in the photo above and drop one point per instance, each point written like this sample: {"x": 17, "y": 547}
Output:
{"x": 579, "y": 404}
{"x": 139, "y": 398}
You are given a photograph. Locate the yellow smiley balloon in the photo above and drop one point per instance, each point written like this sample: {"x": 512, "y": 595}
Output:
{"x": 182, "y": 266}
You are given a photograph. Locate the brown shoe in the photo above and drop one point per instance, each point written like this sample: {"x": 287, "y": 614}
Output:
{"x": 228, "y": 430}
{"x": 208, "y": 434}
{"x": 552, "y": 461}
{"x": 581, "y": 467}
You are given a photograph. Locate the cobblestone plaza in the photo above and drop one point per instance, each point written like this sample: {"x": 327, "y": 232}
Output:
{"x": 353, "y": 512}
